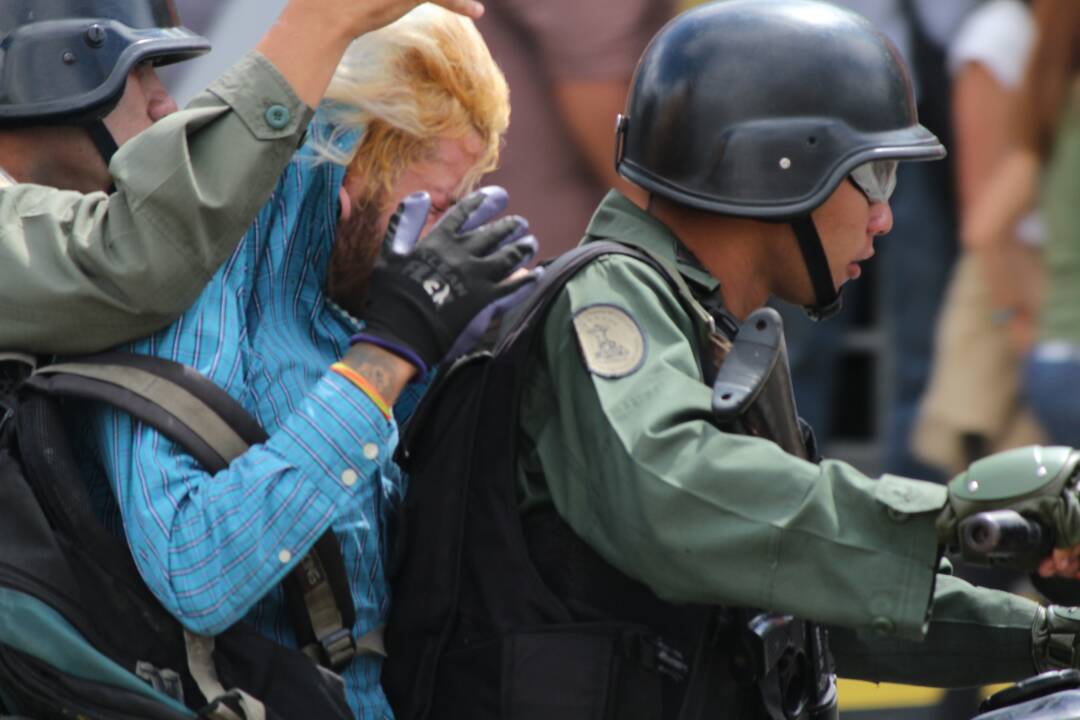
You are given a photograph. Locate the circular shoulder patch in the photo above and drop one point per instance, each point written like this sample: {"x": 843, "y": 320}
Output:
{"x": 612, "y": 344}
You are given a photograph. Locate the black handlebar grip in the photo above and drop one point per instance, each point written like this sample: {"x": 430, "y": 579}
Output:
{"x": 1004, "y": 537}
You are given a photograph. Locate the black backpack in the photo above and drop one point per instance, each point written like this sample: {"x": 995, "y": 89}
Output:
{"x": 80, "y": 633}
{"x": 476, "y": 630}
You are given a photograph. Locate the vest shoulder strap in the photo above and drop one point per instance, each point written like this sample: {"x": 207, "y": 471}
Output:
{"x": 523, "y": 319}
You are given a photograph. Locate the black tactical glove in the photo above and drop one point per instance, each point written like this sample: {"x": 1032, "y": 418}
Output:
{"x": 1055, "y": 638}
{"x": 423, "y": 295}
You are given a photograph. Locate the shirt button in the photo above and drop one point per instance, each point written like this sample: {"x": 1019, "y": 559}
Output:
{"x": 883, "y": 626}
{"x": 284, "y": 556}
{"x": 349, "y": 478}
{"x": 278, "y": 116}
{"x": 371, "y": 451}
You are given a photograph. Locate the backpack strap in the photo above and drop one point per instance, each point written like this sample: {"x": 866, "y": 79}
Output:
{"x": 516, "y": 345}
{"x": 212, "y": 427}
{"x": 164, "y": 405}
{"x": 522, "y": 323}
{"x": 22, "y": 358}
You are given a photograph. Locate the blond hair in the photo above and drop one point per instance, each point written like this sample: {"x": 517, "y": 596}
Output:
{"x": 428, "y": 75}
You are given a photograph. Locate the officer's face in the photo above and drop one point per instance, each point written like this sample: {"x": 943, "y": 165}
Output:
{"x": 145, "y": 101}
{"x": 848, "y": 223}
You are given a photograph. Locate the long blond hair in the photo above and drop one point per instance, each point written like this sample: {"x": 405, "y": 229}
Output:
{"x": 426, "y": 76}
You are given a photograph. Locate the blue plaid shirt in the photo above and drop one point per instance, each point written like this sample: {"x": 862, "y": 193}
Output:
{"x": 214, "y": 548}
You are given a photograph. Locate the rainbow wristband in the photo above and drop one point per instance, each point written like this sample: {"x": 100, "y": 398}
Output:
{"x": 354, "y": 377}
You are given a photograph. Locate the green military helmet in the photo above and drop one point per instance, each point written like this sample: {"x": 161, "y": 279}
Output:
{"x": 67, "y": 61}
{"x": 761, "y": 108}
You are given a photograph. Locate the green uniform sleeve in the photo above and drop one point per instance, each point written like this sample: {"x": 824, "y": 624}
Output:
{"x": 638, "y": 469}
{"x": 976, "y": 636}
{"x": 80, "y": 273}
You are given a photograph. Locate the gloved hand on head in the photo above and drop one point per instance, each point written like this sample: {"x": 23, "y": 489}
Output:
{"x": 435, "y": 294}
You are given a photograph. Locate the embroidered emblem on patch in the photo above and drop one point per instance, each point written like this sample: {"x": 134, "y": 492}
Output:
{"x": 611, "y": 341}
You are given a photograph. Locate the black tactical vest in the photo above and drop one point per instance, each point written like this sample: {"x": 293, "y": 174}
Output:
{"x": 497, "y": 615}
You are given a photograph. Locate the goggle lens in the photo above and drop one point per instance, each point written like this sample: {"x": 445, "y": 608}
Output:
{"x": 876, "y": 179}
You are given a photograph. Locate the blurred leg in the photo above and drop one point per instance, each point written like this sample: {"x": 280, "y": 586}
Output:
{"x": 917, "y": 260}
{"x": 1052, "y": 383}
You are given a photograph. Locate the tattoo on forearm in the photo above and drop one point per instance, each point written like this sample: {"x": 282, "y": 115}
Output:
{"x": 379, "y": 368}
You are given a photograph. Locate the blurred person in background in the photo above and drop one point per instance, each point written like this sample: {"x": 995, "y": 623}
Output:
{"x": 1043, "y": 170}
{"x": 974, "y": 404}
{"x": 915, "y": 264}
{"x": 568, "y": 64}
{"x": 317, "y": 328}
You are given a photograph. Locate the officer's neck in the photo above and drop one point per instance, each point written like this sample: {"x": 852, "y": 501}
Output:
{"x": 61, "y": 157}
{"x": 734, "y": 250}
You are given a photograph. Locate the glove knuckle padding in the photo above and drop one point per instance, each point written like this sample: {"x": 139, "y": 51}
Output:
{"x": 1036, "y": 481}
{"x": 1055, "y": 635}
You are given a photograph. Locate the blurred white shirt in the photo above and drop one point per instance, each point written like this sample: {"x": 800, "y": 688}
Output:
{"x": 940, "y": 20}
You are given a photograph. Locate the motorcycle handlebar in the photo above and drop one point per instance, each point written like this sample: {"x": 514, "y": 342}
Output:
{"x": 1004, "y": 538}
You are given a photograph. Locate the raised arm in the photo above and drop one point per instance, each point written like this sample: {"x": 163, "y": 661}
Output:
{"x": 84, "y": 272}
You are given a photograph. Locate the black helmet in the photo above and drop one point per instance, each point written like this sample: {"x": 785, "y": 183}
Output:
{"x": 67, "y": 61}
{"x": 761, "y": 108}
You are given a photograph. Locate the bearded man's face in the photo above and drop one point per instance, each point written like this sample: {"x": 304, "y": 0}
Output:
{"x": 363, "y": 225}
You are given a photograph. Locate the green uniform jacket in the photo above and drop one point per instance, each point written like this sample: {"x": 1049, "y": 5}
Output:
{"x": 80, "y": 273}
{"x": 628, "y": 454}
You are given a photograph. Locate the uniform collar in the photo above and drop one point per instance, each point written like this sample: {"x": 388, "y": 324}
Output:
{"x": 5, "y": 179}
{"x": 619, "y": 219}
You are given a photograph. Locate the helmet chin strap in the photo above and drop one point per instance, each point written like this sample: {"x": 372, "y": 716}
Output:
{"x": 827, "y": 301}
{"x": 103, "y": 140}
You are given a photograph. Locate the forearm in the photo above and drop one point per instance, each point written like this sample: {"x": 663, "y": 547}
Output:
{"x": 976, "y": 637}
{"x": 758, "y": 531}
{"x": 386, "y": 373}
{"x": 305, "y": 47}
{"x": 1003, "y": 200}
{"x": 640, "y": 470}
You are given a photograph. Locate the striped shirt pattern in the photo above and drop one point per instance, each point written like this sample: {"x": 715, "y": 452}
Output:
{"x": 214, "y": 548}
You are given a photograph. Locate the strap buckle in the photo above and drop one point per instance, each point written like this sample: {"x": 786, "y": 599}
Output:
{"x": 6, "y": 413}
{"x": 334, "y": 650}
{"x": 657, "y": 656}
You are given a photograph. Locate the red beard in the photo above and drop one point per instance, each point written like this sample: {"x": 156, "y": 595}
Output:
{"x": 355, "y": 252}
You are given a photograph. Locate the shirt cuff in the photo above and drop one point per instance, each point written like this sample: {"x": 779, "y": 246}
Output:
{"x": 341, "y": 437}
{"x": 263, "y": 99}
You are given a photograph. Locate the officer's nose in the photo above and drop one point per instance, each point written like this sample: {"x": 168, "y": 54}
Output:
{"x": 161, "y": 102}
{"x": 881, "y": 218}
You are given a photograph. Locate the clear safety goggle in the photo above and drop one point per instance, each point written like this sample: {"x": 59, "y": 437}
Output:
{"x": 876, "y": 179}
